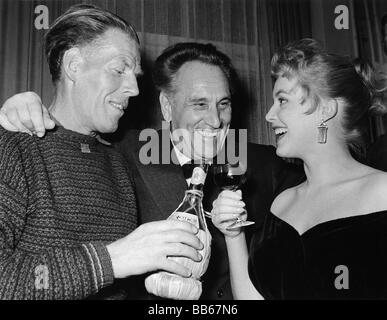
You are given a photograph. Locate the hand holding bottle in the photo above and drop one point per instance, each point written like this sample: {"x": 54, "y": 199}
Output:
{"x": 172, "y": 286}
{"x": 226, "y": 208}
{"x": 146, "y": 249}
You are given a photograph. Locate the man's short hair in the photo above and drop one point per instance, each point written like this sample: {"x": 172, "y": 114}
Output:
{"x": 172, "y": 58}
{"x": 78, "y": 26}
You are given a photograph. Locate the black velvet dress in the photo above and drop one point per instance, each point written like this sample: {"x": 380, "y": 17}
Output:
{"x": 345, "y": 258}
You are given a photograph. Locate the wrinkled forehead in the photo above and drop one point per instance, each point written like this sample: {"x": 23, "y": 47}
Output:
{"x": 202, "y": 79}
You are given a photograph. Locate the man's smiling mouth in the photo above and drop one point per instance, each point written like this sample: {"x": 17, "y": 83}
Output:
{"x": 120, "y": 106}
{"x": 207, "y": 133}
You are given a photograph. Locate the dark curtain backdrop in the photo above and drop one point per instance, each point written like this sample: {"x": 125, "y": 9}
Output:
{"x": 247, "y": 30}
{"x": 368, "y": 16}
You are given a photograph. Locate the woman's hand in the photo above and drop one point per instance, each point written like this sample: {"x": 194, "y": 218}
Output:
{"x": 226, "y": 209}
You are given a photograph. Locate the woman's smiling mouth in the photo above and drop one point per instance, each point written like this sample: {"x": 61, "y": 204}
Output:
{"x": 280, "y": 132}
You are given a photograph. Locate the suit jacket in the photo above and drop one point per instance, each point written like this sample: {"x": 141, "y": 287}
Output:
{"x": 161, "y": 187}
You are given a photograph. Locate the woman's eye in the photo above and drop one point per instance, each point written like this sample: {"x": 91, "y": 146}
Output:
{"x": 119, "y": 71}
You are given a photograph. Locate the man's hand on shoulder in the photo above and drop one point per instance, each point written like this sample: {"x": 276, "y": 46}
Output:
{"x": 24, "y": 112}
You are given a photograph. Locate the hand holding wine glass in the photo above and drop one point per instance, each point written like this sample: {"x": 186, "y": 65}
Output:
{"x": 226, "y": 209}
{"x": 231, "y": 177}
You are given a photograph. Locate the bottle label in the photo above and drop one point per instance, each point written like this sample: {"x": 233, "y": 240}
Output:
{"x": 198, "y": 176}
{"x": 184, "y": 216}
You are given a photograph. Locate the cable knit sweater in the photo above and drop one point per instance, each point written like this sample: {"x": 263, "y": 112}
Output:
{"x": 62, "y": 199}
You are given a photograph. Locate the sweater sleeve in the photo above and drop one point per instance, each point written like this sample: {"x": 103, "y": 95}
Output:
{"x": 52, "y": 273}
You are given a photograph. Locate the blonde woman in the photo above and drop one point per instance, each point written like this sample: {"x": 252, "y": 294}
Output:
{"x": 325, "y": 238}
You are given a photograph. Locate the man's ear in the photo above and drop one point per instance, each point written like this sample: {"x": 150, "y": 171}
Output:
{"x": 166, "y": 107}
{"x": 328, "y": 109}
{"x": 71, "y": 62}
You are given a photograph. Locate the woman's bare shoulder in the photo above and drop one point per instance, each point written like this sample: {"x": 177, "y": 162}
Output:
{"x": 284, "y": 199}
{"x": 374, "y": 189}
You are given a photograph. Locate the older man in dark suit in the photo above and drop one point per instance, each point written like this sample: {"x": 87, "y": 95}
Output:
{"x": 196, "y": 86}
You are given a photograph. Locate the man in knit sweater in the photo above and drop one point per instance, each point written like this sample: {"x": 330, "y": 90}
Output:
{"x": 67, "y": 207}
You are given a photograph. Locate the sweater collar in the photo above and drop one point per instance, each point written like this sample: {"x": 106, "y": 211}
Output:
{"x": 74, "y": 137}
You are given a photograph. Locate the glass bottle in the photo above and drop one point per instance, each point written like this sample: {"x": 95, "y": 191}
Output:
{"x": 171, "y": 286}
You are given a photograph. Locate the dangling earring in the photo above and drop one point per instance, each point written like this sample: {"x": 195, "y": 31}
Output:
{"x": 322, "y": 132}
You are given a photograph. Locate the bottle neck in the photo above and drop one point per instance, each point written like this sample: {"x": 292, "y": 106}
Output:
{"x": 196, "y": 187}
{"x": 194, "y": 200}
{"x": 194, "y": 193}
{"x": 199, "y": 175}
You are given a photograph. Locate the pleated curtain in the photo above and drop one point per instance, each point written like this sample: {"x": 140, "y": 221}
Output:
{"x": 247, "y": 30}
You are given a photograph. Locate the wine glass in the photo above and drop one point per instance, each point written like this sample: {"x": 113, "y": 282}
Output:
{"x": 231, "y": 177}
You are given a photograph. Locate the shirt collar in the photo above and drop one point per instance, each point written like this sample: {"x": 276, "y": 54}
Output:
{"x": 181, "y": 157}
